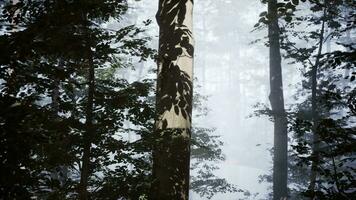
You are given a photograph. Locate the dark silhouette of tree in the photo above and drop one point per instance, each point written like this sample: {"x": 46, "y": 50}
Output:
{"x": 271, "y": 19}
{"x": 280, "y": 147}
{"x": 314, "y": 73}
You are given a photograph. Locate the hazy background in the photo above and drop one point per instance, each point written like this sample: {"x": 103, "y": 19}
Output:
{"x": 234, "y": 74}
{"x": 231, "y": 69}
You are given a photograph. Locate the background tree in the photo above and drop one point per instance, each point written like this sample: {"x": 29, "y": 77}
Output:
{"x": 316, "y": 121}
{"x": 315, "y": 23}
{"x": 276, "y": 97}
{"x": 271, "y": 19}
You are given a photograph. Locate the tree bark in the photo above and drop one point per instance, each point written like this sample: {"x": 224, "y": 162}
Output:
{"x": 171, "y": 154}
{"x": 280, "y": 169}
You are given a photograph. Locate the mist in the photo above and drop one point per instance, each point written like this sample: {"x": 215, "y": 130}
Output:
{"x": 158, "y": 99}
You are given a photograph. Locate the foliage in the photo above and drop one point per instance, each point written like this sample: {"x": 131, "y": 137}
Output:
{"x": 47, "y": 51}
{"x": 45, "y": 93}
{"x": 301, "y": 31}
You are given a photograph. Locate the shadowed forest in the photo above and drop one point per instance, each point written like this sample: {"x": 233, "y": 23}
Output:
{"x": 177, "y": 99}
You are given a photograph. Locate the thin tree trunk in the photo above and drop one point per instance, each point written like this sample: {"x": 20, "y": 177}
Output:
{"x": 61, "y": 171}
{"x": 314, "y": 74}
{"x": 280, "y": 169}
{"x": 204, "y": 65}
{"x": 55, "y": 95}
{"x": 85, "y": 168}
{"x": 171, "y": 154}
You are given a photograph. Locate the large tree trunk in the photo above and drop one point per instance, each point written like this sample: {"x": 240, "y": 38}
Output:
{"x": 280, "y": 170}
{"x": 315, "y": 115}
{"x": 88, "y": 134}
{"x": 171, "y": 154}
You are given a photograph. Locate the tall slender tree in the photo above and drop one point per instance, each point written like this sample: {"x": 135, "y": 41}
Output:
{"x": 321, "y": 123}
{"x": 277, "y": 102}
{"x": 171, "y": 154}
{"x": 314, "y": 81}
{"x": 85, "y": 168}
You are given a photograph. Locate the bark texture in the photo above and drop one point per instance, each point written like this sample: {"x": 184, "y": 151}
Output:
{"x": 171, "y": 154}
{"x": 280, "y": 169}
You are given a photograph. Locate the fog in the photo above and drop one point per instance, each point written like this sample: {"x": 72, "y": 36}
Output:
{"x": 233, "y": 74}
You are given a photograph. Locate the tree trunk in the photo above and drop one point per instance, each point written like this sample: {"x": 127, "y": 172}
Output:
{"x": 60, "y": 173}
{"x": 88, "y": 134}
{"x": 280, "y": 170}
{"x": 171, "y": 154}
{"x": 55, "y": 95}
{"x": 315, "y": 116}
